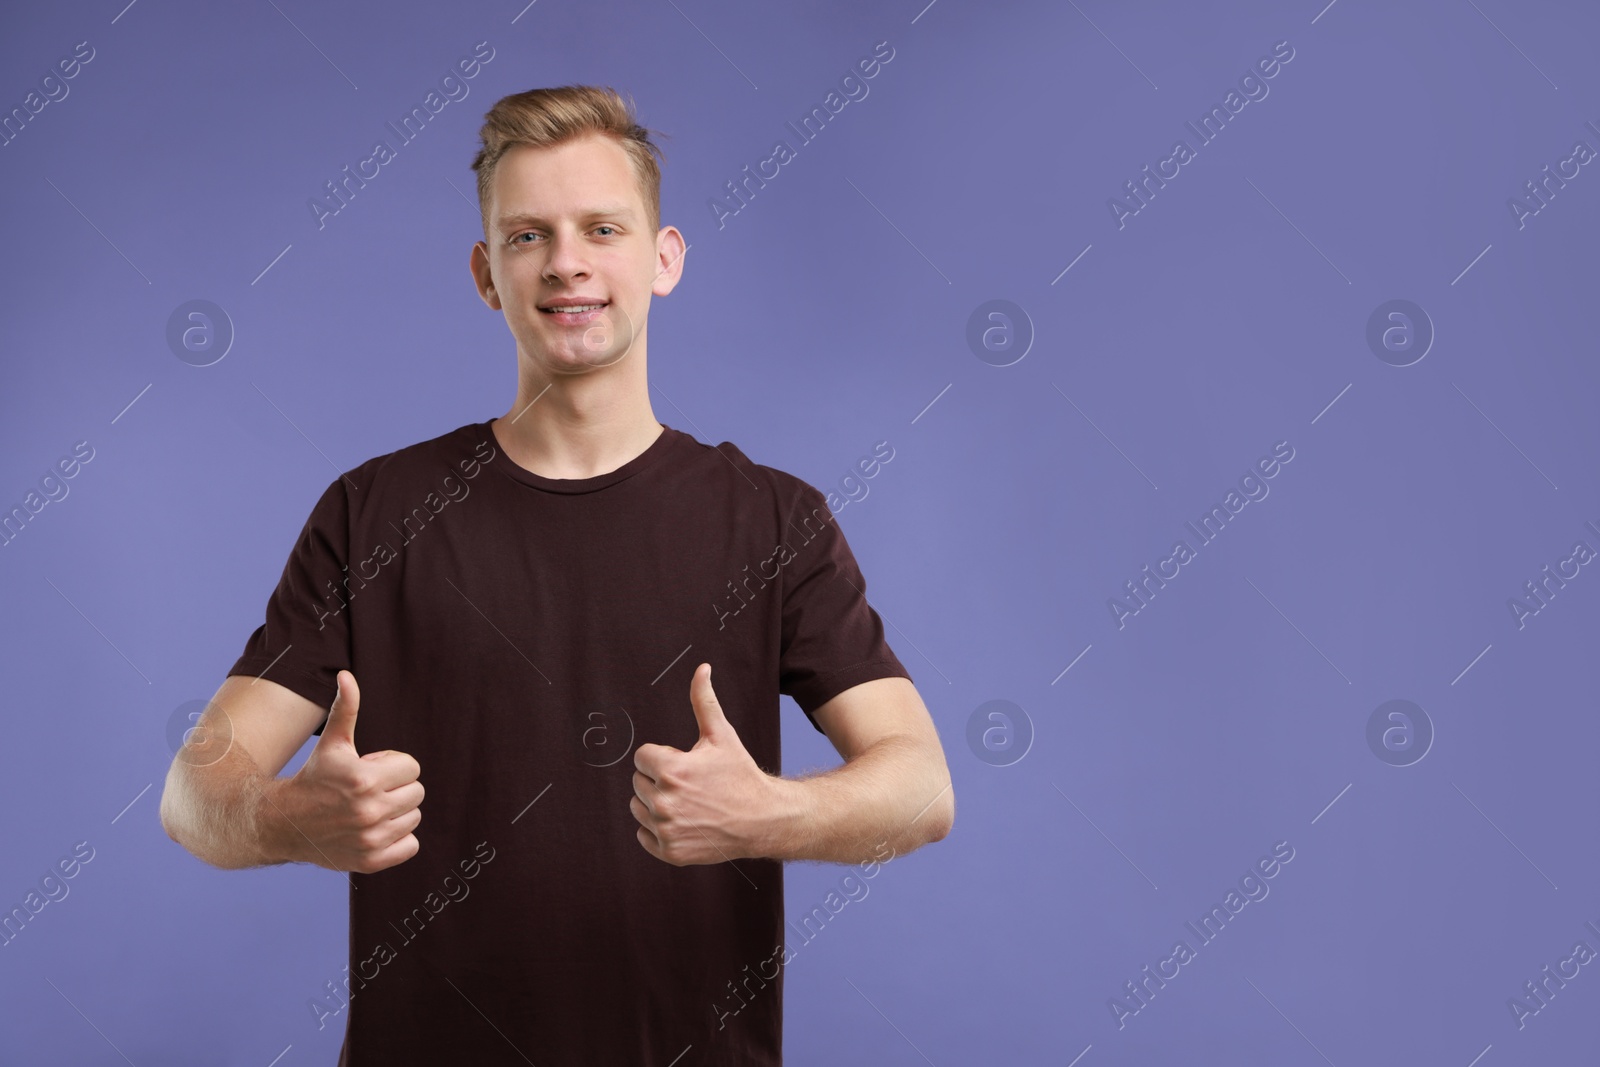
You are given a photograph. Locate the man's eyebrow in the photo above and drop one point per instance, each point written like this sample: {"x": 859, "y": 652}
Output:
{"x": 528, "y": 218}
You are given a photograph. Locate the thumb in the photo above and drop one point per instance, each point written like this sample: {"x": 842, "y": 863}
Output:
{"x": 341, "y": 724}
{"x": 714, "y": 725}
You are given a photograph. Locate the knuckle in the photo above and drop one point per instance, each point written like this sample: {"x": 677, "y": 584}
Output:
{"x": 346, "y": 775}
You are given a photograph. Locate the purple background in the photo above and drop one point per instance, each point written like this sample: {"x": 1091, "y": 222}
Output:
{"x": 827, "y": 315}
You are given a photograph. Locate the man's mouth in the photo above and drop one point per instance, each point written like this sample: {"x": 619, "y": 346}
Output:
{"x": 574, "y": 314}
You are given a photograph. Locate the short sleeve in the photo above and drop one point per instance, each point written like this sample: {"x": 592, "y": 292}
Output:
{"x": 305, "y": 640}
{"x": 832, "y": 638}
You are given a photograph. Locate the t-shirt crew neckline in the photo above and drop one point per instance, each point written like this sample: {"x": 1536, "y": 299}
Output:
{"x": 643, "y": 461}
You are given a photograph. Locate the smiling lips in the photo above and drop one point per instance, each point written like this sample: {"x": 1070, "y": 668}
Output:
{"x": 586, "y": 311}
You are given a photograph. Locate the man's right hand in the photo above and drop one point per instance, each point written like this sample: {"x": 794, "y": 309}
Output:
{"x": 346, "y": 811}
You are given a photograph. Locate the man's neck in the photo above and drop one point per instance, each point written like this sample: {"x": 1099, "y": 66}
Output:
{"x": 576, "y": 428}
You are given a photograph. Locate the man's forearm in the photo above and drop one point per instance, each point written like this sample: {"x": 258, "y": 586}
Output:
{"x": 222, "y": 812}
{"x": 896, "y": 792}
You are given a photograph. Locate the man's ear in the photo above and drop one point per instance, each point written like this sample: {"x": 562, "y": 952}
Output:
{"x": 670, "y": 248}
{"x": 482, "y": 276}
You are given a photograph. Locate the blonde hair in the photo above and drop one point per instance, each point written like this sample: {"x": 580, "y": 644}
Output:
{"x": 544, "y": 118}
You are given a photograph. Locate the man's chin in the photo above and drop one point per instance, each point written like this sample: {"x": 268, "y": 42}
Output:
{"x": 582, "y": 349}
{"x": 575, "y": 360}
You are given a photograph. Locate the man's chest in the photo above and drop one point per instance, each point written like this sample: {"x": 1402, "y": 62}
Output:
{"x": 576, "y": 634}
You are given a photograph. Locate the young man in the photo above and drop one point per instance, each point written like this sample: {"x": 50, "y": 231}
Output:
{"x": 525, "y": 613}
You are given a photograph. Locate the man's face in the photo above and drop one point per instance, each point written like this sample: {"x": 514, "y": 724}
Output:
{"x": 568, "y": 223}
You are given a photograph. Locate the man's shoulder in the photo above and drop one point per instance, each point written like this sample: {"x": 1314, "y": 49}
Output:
{"x": 457, "y": 453}
{"x": 738, "y": 470}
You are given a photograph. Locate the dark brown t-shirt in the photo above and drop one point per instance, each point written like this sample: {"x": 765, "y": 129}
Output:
{"x": 520, "y": 636}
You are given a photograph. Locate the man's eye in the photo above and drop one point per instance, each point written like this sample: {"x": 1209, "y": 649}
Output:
{"x": 517, "y": 239}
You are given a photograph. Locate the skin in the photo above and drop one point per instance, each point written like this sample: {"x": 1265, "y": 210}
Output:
{"x": 713, "y": 803}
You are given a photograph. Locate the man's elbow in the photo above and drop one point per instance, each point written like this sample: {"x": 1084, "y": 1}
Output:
{"x": 947, "y": 817}
{"x": 940, "y": 815}
{"x": 179, "y": 814}
{"x": 171, "y": 808}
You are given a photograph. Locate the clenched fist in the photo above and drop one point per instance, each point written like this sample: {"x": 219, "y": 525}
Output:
{"x": 712, "y": 803}
{"x": 346, "y": 811}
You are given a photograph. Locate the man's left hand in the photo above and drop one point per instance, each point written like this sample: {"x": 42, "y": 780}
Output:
{"x": 709, "y": 804}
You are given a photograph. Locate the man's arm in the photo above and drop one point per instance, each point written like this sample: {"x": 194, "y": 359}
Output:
{"x": 713, "y": 803}
{"x": 224, "y": 802}
{"x": 217, "y": 800}
{"x": 893, "y": 788}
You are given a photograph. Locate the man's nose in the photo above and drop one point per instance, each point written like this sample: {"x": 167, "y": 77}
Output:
{"x": 568, "y": 256}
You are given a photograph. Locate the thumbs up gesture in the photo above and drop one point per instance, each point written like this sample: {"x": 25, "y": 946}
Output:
{"x": 350, "y": 812}
{"x": 709, "y": 804}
